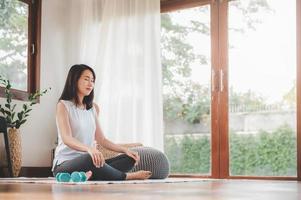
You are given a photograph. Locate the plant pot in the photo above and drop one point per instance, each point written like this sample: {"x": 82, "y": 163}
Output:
{"x": 15, "y": 149}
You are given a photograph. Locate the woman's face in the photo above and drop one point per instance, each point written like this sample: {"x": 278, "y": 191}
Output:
{"x": 85, "y": 83}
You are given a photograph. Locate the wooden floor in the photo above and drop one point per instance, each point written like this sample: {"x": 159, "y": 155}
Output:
{"x": 205, "y": 190}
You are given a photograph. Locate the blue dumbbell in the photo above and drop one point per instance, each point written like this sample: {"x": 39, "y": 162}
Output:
{"x": 78, "y": 176}
{"x": 74, "y": 177}
{"x": 63, "y": 177}
{"x": 84, "y": 176}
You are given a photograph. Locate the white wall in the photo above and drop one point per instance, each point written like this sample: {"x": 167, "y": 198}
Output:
{"x": 39, "y": 132}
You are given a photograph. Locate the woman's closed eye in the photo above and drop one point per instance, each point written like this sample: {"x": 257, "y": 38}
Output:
{"x": 86, "y": 79}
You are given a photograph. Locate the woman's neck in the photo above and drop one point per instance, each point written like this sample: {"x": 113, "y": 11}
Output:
{"x": 81, "y": 102}
{"x": 80, "y": 99}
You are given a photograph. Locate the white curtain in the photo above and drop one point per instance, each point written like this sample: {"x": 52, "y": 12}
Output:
{"x": 130, "y": 72}
{"x": 120, "y": 39}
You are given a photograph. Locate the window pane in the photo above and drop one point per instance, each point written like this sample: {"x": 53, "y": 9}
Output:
{"x": 262, "y": 87}
{"x": 14, "y": 43}
{"x": 186, "y": 62}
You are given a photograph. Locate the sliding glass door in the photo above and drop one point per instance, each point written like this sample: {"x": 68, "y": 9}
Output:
{"x": 231, "y": 88}
{"x": 262, "y": 87}
{"x": 186, "y": 62}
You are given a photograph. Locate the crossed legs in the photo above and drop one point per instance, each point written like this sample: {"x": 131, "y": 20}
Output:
{"x": 114, "y": 169}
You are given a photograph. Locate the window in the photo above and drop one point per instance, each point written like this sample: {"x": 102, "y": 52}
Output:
{"x": 243, "y": 118}
{"x": 19, "y": 45}
{"x": 186, "y": 67}
{"x": 262, "y": 113}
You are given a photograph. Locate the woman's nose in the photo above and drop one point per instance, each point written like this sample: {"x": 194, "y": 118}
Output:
{"x": 91, "y": 83}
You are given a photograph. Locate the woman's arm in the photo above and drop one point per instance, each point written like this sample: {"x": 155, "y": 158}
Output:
{"x": 69, "y": 140}
{"x": 104, "y": 142}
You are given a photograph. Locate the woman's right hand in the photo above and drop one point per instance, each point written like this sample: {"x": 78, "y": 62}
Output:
{"x": 97, "y": 157}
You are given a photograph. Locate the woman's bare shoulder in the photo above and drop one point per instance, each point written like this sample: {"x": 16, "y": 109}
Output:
{"x": 60, "y": 106}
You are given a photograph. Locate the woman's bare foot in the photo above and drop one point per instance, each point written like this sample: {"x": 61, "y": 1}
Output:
{"x": 88, "y": 174}
{"x": 139, "y": 175}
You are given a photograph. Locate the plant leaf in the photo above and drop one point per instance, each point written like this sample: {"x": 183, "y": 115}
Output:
{"x": 14, "y": 106}
{"x": 22, "y": 122}
{"x": 13, "y": 115}
{"x": 27, "y": 111}
{"x": 7, "y": 113}
{"x": 20, "y": 115}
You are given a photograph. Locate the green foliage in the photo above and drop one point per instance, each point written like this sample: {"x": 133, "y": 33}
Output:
{"x": 13, "y": 118}
{"x": 265, "y": 154}
{"x": 13, "y": 42}
{"x": 261, "y": 154}
{"x": 193, "y": 107}
{"x": 183, "y": 98}
{"x": 250, "y": 13}
{"x": 189, "y": 154}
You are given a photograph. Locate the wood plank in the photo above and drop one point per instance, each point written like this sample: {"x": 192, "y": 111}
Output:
{"x": 205, "y": 190}
{"x": 215, "y": 136}
{"x": 299, "y": 89}
{"x": 173, "y": 5}
{"x": 223, "y": 105}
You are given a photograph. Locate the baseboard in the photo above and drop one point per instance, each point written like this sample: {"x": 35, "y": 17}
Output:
{"x": 29, "y": 172}
{"x": 36, "y": 172}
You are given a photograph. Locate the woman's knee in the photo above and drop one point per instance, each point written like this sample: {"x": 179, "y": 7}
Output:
{"x": 130, "y": 159}
{"x": 82, "y": 163}
{"x": 87, "y": 158}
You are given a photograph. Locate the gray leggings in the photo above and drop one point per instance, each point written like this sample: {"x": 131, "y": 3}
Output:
{"x": 113, "y": 169}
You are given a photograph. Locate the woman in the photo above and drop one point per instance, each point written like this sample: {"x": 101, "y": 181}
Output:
{"x": 79, "y": 129}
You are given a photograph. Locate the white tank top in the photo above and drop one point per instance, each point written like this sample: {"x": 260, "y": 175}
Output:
{"x": 83, "y": 127}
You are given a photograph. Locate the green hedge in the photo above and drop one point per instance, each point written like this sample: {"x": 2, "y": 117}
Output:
{"x": 262, "y": 154}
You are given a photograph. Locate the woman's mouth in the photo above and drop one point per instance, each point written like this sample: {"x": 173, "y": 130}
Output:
{"x": 89, "y": 89}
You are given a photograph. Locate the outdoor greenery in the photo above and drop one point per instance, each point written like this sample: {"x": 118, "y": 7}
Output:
{"x": 13, "y": 42}
{"x": 186, "y": 99}
{"x": 13, "y": 60}
{"x": 188, "y": 154}
{"x": 261, "y": 154}
{"x": 266, "y": 154}
{"x": 183, "y": 98}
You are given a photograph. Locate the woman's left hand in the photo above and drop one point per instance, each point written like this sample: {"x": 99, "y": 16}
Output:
{"x": 133, "y": 155}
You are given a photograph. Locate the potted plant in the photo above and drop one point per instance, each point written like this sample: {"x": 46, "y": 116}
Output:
{"x": 14, "y": 121}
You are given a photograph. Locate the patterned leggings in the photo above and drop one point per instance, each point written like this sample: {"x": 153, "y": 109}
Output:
{"x": 113, "y": 169}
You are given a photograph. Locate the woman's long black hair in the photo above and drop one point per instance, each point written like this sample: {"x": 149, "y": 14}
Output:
{"x": 70, "y": 89}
